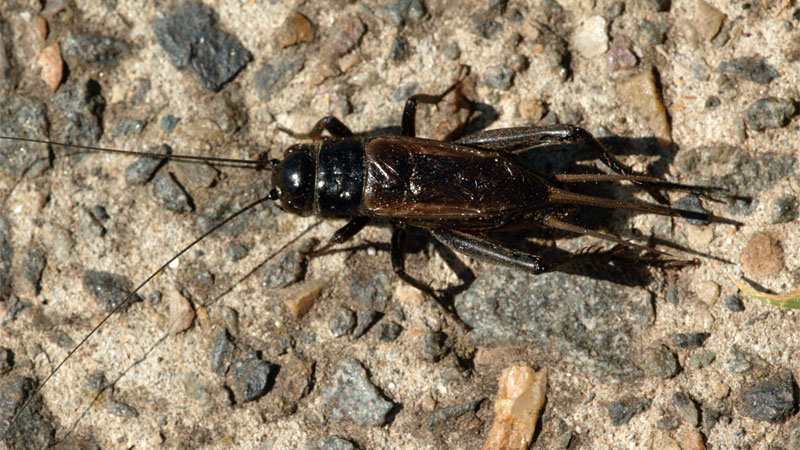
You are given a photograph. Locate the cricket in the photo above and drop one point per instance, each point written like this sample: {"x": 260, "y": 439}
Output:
{"x": 205, "y": 276}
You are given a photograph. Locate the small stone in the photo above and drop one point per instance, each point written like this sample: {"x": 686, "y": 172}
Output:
{"x": 771, "y": 400}
{"x": 93, "y": 49}
{"x": 303, "y": 296}
{"x": 289, "y": 269}
{"x": 190, "y": 37}
{"x": 365, "y": 317}
{"x": 719, "y": 390}
{"x": 171, "y": 195}
{"x": 662, "y": 441}
{"x": 700, "y": 359}
{"x": 435, "y": 346}
{"x": 181, "y": 314}
{"x": 667, "y": 422}
{"x": 499, "y": 77}
{"x": 129, "y": 126}
{"x": 168, "y": 123}
{"x": 686, "y": 408}
{"x": 642, "y": 94}
{"x": 690, "y": 340}
{"x": 292, "y": 383}
{"x": 372, "y": 291}
{"x": 754, "y": 68}
{"x": 346, "y": 36}
{"x": 691, "y": 440}
{"x": 221, "y": 353}
{"x": 33, "y": 428}
{"x": 660, "y": 361}
{"x": 652, "y": 33}
{"x": 532, "y": 110}
{"x": 350, "y": 394}
{"x": 590, "y": 38}
{"x": 251, "y": 377}
{"x": 195, "y": 176}
{"x": 520, "y": 397}
{"x": 52, "y": 66}
{"x": 388, "y": 330}
{"x": 235, "y": 252}
{"x": 194, "y": 388}
{"x": 143, "y": 169}
{"x": 769, "y": 112}
{"x": 109, "y": 290}
{"x": 296, "y": 29}
{"x": 734, "y": 303}
{"x": 785, "y": 210}
{"x": 620, "y": 55}
{"x": 33, "y": 267}
{"x": 120, "y": 409}
{"x": 707, "y": 20}
{"x": 452, "y": 52}
{"x": 740, "y": 361}
{"x": 442, "y": 414}
{"x": 399, "y": 49}
{"x": 621, "y": 412}
{"x": 342, "y": 321}
{"x": 762, "y": 256}
{"x": 706, "y": 291}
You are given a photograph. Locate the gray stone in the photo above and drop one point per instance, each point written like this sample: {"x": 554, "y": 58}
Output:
{"x": 769, "y": 112}
{"x": 251, "y": 378}
{"x": 349, "y": 394}
{"x": 771, "y": 400}
{"x": 622, "y": 411}
{"x": 109, "y": 290}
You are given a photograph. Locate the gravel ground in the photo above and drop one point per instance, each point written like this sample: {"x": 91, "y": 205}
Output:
{"x": 694, "y": 92}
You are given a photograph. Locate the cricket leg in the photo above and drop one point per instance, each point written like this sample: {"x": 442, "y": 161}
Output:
{"x": 341, "y": 235}
{"x": 334, "y": 126}
{"x": 410, "y": 111}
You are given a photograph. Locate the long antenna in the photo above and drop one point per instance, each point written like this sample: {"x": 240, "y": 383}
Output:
{"x": 128, "y": 300}
{"x": 226, "y": 162}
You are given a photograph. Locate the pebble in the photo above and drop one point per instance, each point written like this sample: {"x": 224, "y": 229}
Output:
{"x": 168, "y": 123}
{"x": 707, "y": 20}
{"x": 690, "y": 340}
{"x": 667, "y": 422}
{"x": 399, "y": 49}
{"x": 32, "y": 268}
{"x": 331, "y": 443}
{"x": 372, "y": 291}
{"x": 251, "y": 378}
{"x": 590, "y": 38}
{"x": 734, "y": 303}
{"x": 532, "y": 110}
{"x": 521, "y": 395}
{"x": 388, "y": 330}
{"x": 293, "y": 382}
{"x": 23, "y": 117}
{"x": 289, "y": 269}
{"x": 712, "y": 102}
{"x": 144, "y": 168}
{"x": 181, "y": 314}
{"x": 622, "y": 411}
{"x": 93, "y": 49}
{"x": 641, "y": 93}
{"x": 686, "y": 408}
{"x": 719, "y": 390}
{"x": 346, "y": 35}
{"x": 660, "y": 361}
{"x": 168, "y": 193}
{"x": 272, "y": 78}
{"x": 190, "y": 38}
{"x": 700, "y": 359}
{"x": 303, "y": 296}
{"x": 221, "y": 352}
{"x": 785, "y": 210}
{"x": 435, "y": 346}
{"x": 349, "y": 394}
{"x": 195, "y": 176}
{"x": 741, "y": 361}
{"x": 82, "y": 105}
{"x": 235, "y": 252}
{"x": 769, "y": 112}
{"x": 691, "y": 440}
{"x": 342, "y": 321}
{"x": 753, "y": 68}
{"x": 706, "y": 291}
{"x": 452, "y": 52}
{"x": 662, "y": 441}
{"x": 121, "y": 409}
{"x": 620, "y": 55}
{"x": 440, "y": 415}
{"x": 52, "y": 66}
{"x": 108, "y": 290}
{"x": 762, "y": 256}
{"x": 652, "y": 33}
{"x": 365, "y": 317}
{"x": 770, "y": 400}
{"x": 296, "y": 29}
{"x": 6, "y": 253}
{"x": 499, "y": 77}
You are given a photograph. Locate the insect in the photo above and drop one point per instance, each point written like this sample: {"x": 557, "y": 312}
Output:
{"x": 460, "y": 191}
